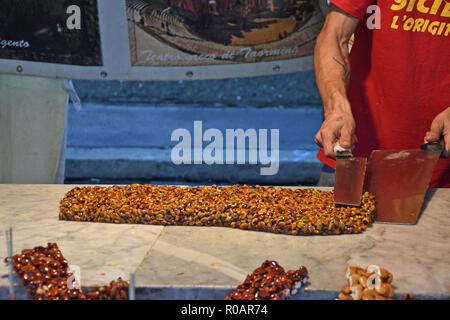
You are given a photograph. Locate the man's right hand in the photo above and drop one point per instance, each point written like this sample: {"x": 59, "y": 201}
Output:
{"x": 337, "y": 126}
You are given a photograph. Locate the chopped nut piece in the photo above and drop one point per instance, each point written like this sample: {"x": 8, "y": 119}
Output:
{"x": 270, "y": 282}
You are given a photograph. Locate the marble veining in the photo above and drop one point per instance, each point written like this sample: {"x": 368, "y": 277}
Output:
{"x": 103, "y": 252}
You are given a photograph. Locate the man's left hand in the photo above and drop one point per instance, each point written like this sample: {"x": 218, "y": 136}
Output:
{"x": 440, "y": 127}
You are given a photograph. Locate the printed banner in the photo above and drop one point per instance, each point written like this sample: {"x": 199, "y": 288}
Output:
{"x": 208, "y": 32}
{"x": 158, "y": 39}
{"x": 65, "y": 32}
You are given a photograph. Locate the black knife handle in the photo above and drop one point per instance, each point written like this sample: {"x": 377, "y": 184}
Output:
{"x": 345, "y": 154}
{"x": 342, "y": 152}
{"x": 437, "y": 146}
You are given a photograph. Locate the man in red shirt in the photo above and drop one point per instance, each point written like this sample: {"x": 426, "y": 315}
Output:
{"x": 397, "y": 95}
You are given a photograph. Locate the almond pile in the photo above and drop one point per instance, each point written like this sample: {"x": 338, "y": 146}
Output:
{"x": 372, "y": 283}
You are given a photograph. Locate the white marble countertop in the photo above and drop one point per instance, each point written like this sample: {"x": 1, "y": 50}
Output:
{"x": 176, "y": 262}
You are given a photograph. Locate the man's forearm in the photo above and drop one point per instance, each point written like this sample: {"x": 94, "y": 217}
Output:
{"x": 332, "y": 70}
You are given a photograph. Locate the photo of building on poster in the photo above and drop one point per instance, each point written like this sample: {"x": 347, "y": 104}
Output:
{"x": 208, "y": 32}
{"x": 54, "y": 31}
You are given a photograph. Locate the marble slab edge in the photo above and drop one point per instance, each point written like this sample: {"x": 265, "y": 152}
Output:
{"x": 214, "y": 293}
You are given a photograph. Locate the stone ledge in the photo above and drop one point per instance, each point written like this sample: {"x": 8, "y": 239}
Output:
{"x": 299, "y": 167}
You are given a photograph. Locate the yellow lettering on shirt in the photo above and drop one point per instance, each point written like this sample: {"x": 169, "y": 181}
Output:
{"x": 435, "y": 6}
{"x": 418, "y": 24}
{"x": 446, "y": 10}
{"x": 433, "y": 27}
{"x": 410, "y": 6}
{"x": 448, "y": 29}
{"x": 400, "y": 4}
{"x": 408, "y": 24}
{"x": 441, "y": 28}
{"x": 421, "y": 6}
{"x": 415, "y": 24}
{"x": 425, "y": 25}
{"x": 394, "y": 24}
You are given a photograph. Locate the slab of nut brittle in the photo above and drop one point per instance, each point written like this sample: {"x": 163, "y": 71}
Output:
{"x": 270, "y": 282}
{"x": 277, "y": 210}
{"x": 46, "y": 274}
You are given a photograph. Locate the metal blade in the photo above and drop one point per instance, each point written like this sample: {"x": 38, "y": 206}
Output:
{"x": 349, "y": 180}
{"x": 399, "y": 180}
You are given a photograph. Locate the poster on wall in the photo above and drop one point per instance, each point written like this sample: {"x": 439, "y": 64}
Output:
{"x": 52, "y": 31}
{"x": 158, "y": 39}
{"x": 211, "y": 32}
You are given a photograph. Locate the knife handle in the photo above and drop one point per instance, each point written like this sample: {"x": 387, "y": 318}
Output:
{"x": 437, "y": 146}
{"x": 341, "y": 152}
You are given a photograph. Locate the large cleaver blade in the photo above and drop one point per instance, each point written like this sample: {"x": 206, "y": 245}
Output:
{"x": 348, "y": 178}
{"x": 399, "y": 180}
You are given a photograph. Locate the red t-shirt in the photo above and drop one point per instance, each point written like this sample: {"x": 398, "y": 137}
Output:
{"x": 400, "y": 76}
